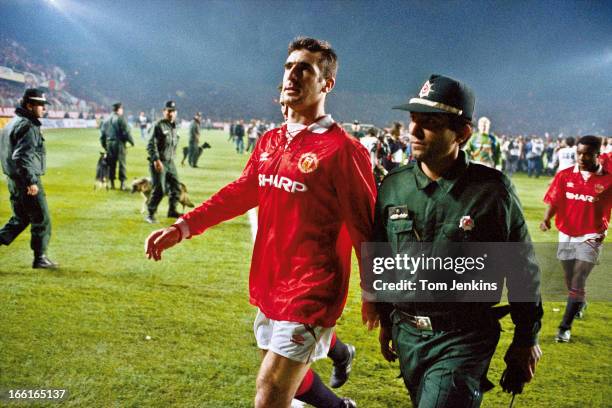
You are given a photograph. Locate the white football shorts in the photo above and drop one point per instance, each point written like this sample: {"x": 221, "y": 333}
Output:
{"x": 585, "y": 248}
{"x": 296, "y": 341}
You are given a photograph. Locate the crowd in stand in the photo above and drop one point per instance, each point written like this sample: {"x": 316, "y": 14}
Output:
{"x": 48, "y": 77}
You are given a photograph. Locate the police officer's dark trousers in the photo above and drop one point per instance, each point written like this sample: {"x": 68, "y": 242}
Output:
{"x": 116, "y": 154}
{"x": 443, "y": 369}
{"x": 194, "y": 153}
{"x": 28, "y": 210}
{"x": 164, "y": 182}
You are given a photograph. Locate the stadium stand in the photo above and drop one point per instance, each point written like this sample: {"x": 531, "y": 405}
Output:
{"x": 20, "y": 70}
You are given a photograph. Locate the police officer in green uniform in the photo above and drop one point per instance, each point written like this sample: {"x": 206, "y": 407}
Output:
{"x": 194, "y": 140}
{"x": 22, "y": 151}
{"x": 444, "y": 348}
{"x": 162, "y": 152}
{"x": 114, "y": 134}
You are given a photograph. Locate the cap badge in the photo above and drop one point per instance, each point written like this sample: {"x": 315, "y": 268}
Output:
{"x": 425, "y": 90}
{"x": 308, "y": 163}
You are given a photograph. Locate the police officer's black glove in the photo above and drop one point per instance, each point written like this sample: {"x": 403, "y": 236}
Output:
{"x": 513, "y": 379}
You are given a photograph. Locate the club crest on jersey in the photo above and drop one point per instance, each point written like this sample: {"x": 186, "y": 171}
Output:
{"x": 570, "y": 184}
{"x": 425, "y": 90}
{"x": 599, "y": 188}
{"x": 308, "y": 163}
{"x": 264, "y": 156}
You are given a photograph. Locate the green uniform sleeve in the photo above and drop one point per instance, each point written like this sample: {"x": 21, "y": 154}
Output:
{"x": 125, "y": 130}
{"x": 23, "y": 154}
{"x": 103, "y": 127}
{"x": 524, "y": 278}
{"x": 152, "y": 146}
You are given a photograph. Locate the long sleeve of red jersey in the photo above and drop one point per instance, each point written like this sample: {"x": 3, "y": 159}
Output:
{"x": 232, "y": 200}
{"x": 553, "y": 193}
{"x": 356, "y": 190}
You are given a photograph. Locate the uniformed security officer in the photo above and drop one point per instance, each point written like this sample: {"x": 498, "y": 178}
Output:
{"x": 194, "y": 140}
{"x": 445, "y": 348}
{"x": 162, "y": 152}
{"x": 22, "y": 151}
{"x": 114, "y": 134}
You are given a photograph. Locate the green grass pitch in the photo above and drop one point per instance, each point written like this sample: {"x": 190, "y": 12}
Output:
{"x": 84, "y": 327}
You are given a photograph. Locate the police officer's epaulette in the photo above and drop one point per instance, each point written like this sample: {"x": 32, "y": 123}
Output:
{"x": 485, "y": 174}
{"x": 398, "y": 170}
{"x": 402, "y": 168}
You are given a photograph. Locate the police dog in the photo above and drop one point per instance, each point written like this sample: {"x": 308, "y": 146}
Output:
{"x": 145, "y": 187}
{"x": 102, "y": 171}
{"x": 200, "y": 150}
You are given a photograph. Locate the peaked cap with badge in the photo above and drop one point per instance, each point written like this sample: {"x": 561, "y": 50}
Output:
{"x": 441, "y": 94}
{"x": 34, "y": 96}
{"x": 170, "y": 105}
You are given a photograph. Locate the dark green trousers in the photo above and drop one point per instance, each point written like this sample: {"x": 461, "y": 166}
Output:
{"x": 445, "y": 369}
{"x": 166, "y": 182}
{"x": 28, "y": 210}
{"x": 194, "y": 153}
{"x": 116, "y": 155}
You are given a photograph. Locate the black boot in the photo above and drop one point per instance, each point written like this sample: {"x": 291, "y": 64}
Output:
{"x": 122, "y": 187}
{"x": 172, "y": 213}
{"x": 341, "y": 370}
{"x": 112, "y": 184}
{"x": 151, "y": 218}
{"x": 42, "y": 262}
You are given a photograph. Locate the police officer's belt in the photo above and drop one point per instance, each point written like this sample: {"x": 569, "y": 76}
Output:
{"x": 446, "y": 321}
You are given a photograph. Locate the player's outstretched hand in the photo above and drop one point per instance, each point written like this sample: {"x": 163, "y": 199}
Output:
{"x": 161, "y": 240}
{"x": 369, "y": 315}
{"x": 545, "y": 225}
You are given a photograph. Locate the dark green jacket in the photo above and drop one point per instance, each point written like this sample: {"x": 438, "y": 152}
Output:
{"x": 22, "y": 148}
{"x": 115, "y": 128}
{"x": 194, "y": 133}
{"x": 163, "y": 141}
{"x": 434, "y": 210}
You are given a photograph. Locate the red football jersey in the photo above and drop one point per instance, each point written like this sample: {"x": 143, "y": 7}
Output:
{"x": 583, "y": 207}
{"x": 310, "y": 193}
{"x": 605, "y": 159}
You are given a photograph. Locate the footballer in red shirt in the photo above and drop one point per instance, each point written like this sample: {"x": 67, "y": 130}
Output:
{"x": 315, "y": 195}
{"x": 580, "y": 199}
{"x": 605, "y": 159}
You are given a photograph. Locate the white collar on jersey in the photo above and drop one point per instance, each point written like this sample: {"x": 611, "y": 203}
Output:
{"x": 598, "y": 172}
{"x": 320, "y": 126}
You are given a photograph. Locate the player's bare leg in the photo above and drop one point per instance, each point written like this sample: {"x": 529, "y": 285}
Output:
{"x": 568, "y": 271}
{"x": 278, "y": 380}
